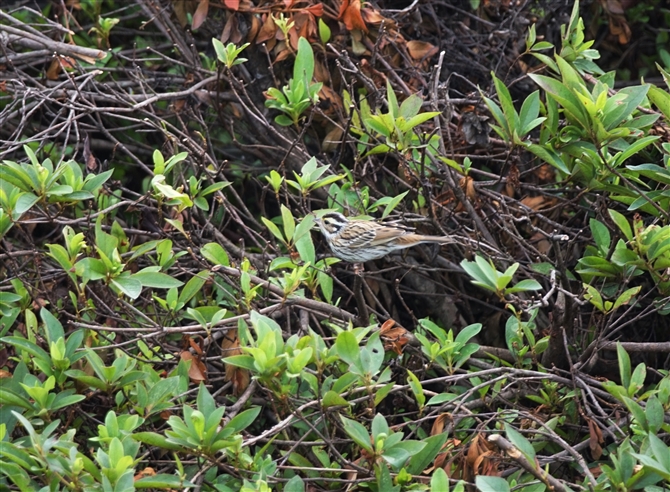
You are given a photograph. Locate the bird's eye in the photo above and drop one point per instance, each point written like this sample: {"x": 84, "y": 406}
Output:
{"x": 330, "y": 225}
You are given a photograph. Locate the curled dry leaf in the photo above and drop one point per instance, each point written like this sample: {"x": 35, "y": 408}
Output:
{"x": 197, "y": 372}
{"x": 545, "y": 173}
{"x": 374, "y": 17}
{"x": 305, "y": 25}
{"x": 439, "y": 423}
{"x": 595, "y": 439}
{"x": 238, "y": 376}
{"x": 267, "y": 31}
{"x": 316, "y": 10}
{"x": 394, "y": 336}
{"x": 54, "y": 69}
{"x": 538, "y": 202}
{"x": 231, "y": 31}
{"x": 350, "y": 15}
{"x": 232, "y": 4}
{"x": 200, "y": 14}
{"x": 254, "y": 29}
{"x": 467, "y": 184}
{"x": 419, "y": 50}
{"x": 332, "y": 140}
{"x": 541, "y": 243}
{"x": 512, "y": 182}
{"x": 479, "y": 458}
{"x": 146, "y": 472}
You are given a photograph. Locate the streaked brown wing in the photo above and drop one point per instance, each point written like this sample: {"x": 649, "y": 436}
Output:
{"x": 358, "y": 235}
{"x": 385, "y": 234}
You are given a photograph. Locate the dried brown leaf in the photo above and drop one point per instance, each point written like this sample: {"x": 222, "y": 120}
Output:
{"x": 350, "y": 15}
{"x": 146, "y": 472}
{"x": 197, "y": 372}
{"x": 268, "y": 30}
{"x": 440, "y": 422}
{"x": 231, "y": 30}
{"x": 239, "y": 376}
{"x": 200, "y": 14}
{"x": 419, "y": 50}
{"x": 332, "y": 140}
{"x": 232, "y": 4}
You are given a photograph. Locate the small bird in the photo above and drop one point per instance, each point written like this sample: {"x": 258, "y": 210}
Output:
{"x": 359, "y": 241}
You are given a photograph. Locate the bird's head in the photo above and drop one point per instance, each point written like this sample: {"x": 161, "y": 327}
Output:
{"x": 332, "y": 223}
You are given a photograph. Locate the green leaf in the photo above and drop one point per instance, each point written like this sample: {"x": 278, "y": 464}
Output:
{"x": 382, "y": 393}
{"x": 491, "y": 484}
{"x": 660, "y": 99}
{"x": 332, "y": 399}
{"x": 288, "y": 221}
{"x": 511, "y": 116}
{"x": 25, "y": 202}
{"x": 417, "y": 389}
{"x": 394, "y": 109}
{"x": 283, "y": 120}
{"x": 347, "y": 347}
{"x": 163, "y": 389}
{"x": 626, "y": 296}
{"x": 528, "y": 117}
{"x": 379, "y": 426}
{"x": 53, "y": 327}
{"x": 439, "y": 480}
{"x": 10, "y": 398}
{"x": 468, "y": 332}
{"x": 27, "y": 346}
{"x": 622, "y": 223}
{"x": 392, "y": 204}
{"x": 244, "y": 361}
{"x": 475, "y": 270}
{"x": 499, "y": 116}
{"x": 243, "y": 420}
{"x": 303, "y": 69}
{"x": 523, "y": 286}
{"x": 357, "y": 432}
{"x": 637, "y": 411}
{"x": 197, "y": 281}
{"x": 129, "y": 286}
{"x": 441, "y": 398}
{"x": 542, "y": 45}
{"x": 94, "y": 182}
{"x": 324, "y": 31}
{"x": 627, "y": 100}
{"x": 550, "y": 156}
{"x": 601, "y": 235}
{"x": 633, "y": 149}
{"x": 624, "y": 365}
{"x": 304, "y": 227}
{"x": 162, "y": 481}
{"x": 273, "y": 229}
{"x": 654, "y": 413}
{"x": 521, "y": 443}
{"x": 214, "y": 253}
{"x": 593, "y": 296}
{"x": 155, "y": 439}
{"x": 421, "y": 460}
{"x": 156, "y": 280}
{"x": 410, "y": 107}
{"x": 564, "y": 97}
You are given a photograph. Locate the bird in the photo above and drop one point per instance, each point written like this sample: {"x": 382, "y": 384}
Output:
{"x": 358, "y": 241}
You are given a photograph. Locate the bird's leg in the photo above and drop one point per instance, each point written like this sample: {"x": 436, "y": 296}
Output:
{"x": 359, "y": 269}
{"x": 360, "y": 299}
